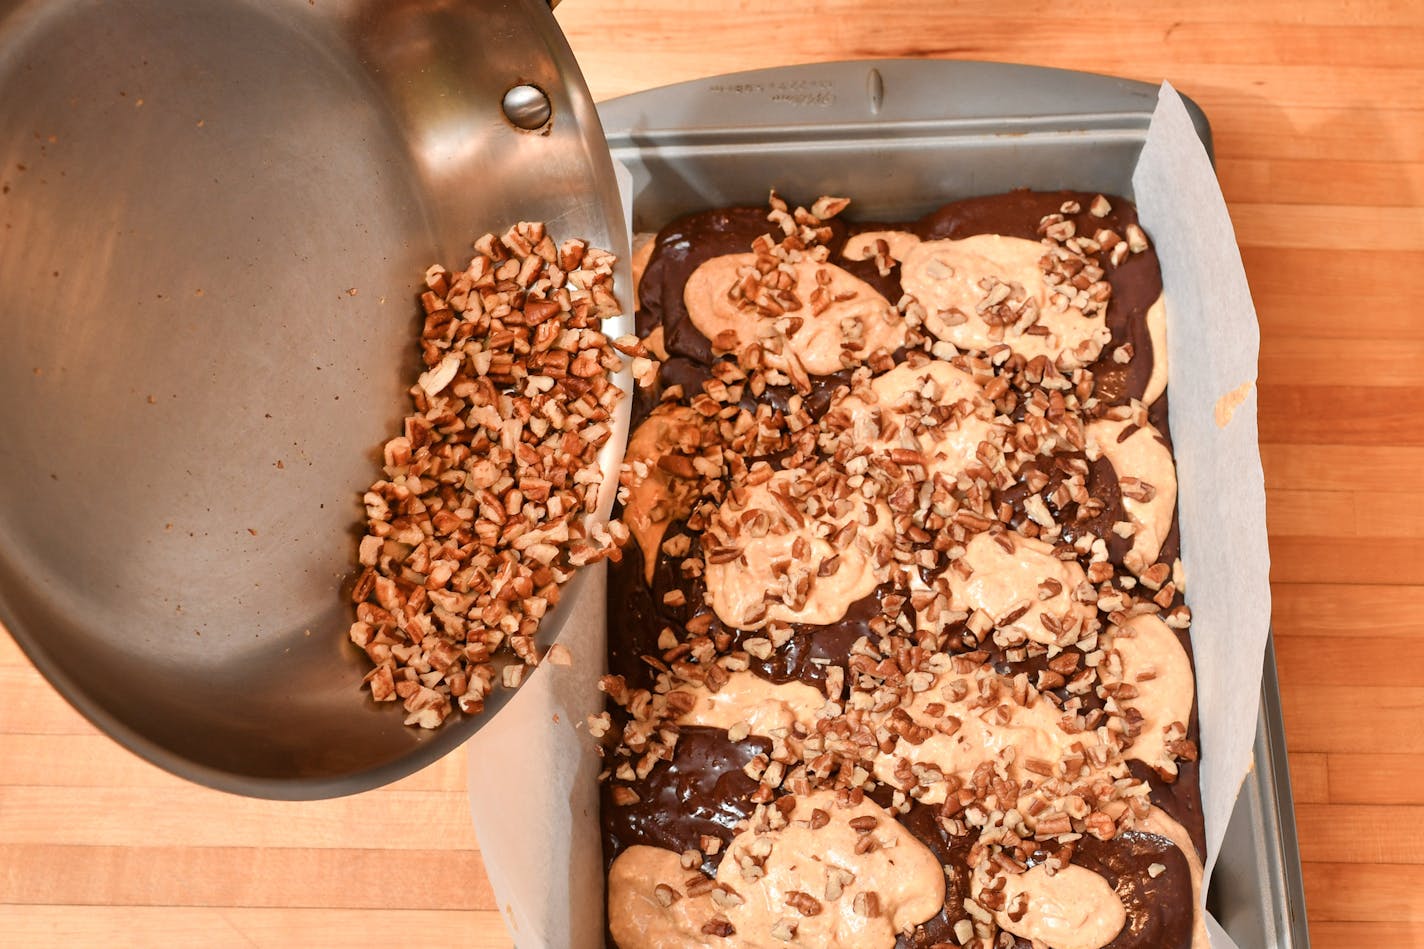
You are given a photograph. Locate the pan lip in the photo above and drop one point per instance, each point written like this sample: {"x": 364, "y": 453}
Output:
{"x": 19, "y": 19}
{"x": 1131, "y": 116}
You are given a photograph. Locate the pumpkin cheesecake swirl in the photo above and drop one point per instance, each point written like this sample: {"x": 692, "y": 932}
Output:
{"x": 898, "y": 651}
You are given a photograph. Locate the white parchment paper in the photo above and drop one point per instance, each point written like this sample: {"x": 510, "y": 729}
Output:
{"x": 1213, "y": 340}
{"x": 533, "y": 792}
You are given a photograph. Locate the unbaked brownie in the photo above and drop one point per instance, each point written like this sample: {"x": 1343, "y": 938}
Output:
{"x": 898, "y": 651}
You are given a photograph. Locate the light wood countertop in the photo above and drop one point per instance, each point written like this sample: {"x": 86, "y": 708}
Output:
{"x": 1318, "y": 112}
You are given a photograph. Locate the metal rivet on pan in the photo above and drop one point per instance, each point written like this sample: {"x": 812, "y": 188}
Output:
{"x": 875, "y": 88}
{"x": 527, "y": 107}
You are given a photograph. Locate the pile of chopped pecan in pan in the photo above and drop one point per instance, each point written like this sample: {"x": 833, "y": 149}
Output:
{"x": 482, "y": 513}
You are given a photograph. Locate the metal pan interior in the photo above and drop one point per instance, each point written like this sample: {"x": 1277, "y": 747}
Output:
{"x": 213, "y": 224}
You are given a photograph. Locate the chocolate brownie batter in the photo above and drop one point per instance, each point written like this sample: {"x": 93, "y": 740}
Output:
{"x": 702, "y": 790}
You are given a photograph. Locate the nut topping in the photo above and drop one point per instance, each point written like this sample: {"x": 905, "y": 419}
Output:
{"x": 996, "y": 679}
{"x": 483, "y": 510}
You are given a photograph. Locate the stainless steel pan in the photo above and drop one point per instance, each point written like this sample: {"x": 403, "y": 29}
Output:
{"x": 213, "y": 221}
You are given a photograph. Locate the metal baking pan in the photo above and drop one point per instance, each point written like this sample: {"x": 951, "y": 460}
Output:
{"x": 902, "y": 137}
{"x": 214, "y": 220}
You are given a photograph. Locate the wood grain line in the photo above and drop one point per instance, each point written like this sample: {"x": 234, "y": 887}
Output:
{"x": 1332, "y": 935}
{"x": 246, "y": 876}
{"x": 1328, "y": 227}
{"x": 1340, "y": 610}
{"x": 241, "y": 927}
{"x": 1348, "y": 361}
{"x": 1373, "y": 779}
{"x": 1359, "y": 833}
{"x": 1342, "y": 415}
{"x": 1365, "y": 560}
{"x": 403, "y": 820}
{"x": 1310, "y": 778}
{"x": 1345, "y": 277}
{"x": 1364, "y": 468}
{"x": 1387, "y": 722}
{"x": 1305, "y": 662}
{"x": 1346, "y": 182}
{"x": 1295, "y": 513}
{"x": 1379, "y": 893}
